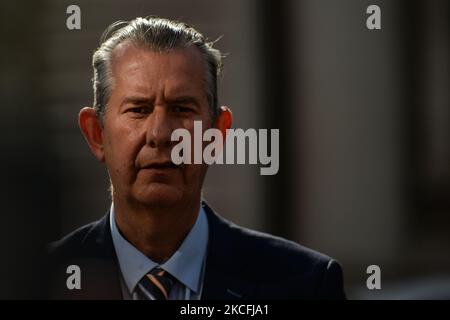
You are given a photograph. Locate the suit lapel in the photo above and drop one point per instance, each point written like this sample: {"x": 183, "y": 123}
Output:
{"x": 224, "y": 278}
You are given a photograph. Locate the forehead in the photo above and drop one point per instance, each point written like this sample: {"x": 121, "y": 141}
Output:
{"x": 142, "y": 70}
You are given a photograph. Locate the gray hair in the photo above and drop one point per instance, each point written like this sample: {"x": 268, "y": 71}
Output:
{"x": 155, "y": 34}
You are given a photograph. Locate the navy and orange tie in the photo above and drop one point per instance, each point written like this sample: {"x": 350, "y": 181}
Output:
{"x": 155, "y": 285}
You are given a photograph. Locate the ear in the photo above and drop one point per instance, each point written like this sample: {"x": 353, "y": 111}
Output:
{"x": 92, "y": 131}
{"x": 224, "y": 120}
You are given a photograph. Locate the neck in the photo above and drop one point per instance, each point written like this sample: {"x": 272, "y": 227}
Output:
{"x": 156, "y": 232}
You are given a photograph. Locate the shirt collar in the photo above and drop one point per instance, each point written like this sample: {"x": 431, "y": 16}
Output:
{"x": 185, "y": 264}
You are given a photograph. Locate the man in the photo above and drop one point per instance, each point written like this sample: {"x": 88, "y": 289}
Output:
{"x": 159, "y": 240}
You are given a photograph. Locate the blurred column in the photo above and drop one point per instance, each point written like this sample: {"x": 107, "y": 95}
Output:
{"x": 349, "y": 104}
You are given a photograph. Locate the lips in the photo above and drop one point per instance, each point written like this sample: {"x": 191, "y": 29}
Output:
{"x": 161, "y": 165}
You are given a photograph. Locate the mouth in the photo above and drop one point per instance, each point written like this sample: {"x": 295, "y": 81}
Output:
{"x": 163, "y": 165}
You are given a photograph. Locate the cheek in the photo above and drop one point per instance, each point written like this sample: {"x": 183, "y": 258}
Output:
{"x": 121, "y": 147}
{"x": 196, "y": 141}
{"x": 187, "y": 124}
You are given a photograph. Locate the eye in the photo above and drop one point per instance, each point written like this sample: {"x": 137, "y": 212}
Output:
{"x": 182, "y": 109}
{"x": 139, "y": 110}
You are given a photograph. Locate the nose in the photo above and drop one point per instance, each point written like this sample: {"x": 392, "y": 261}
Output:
{"x": 159, "y": 128}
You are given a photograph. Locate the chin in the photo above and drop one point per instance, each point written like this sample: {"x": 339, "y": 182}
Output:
{"x": 159, "y": 195}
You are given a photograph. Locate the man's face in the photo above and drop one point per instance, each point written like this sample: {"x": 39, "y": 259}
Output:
{"x": 152, "y": 95}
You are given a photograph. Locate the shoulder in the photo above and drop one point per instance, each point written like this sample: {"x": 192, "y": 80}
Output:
{"x": 90, "y": 249}
{"x": 88, "y": 240}
{"x": 268, "y": 249}
{"x": 71, "y": 241}
{"x": 300, "y": 271}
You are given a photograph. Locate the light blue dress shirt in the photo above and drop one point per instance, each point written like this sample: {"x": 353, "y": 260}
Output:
{"x": 187, "y": 264}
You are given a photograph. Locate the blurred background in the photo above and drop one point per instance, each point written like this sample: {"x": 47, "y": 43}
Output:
{"x": 363, "y": 116}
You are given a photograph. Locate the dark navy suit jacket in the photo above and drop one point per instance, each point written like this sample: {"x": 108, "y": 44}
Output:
{"x": 240, "y": 264}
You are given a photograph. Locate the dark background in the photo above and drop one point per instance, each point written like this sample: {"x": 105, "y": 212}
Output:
{"x": 363, "y": 116}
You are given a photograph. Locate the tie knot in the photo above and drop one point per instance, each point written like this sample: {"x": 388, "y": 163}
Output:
{"x": 155, "y": 285}
{"x": 158, "y": 272}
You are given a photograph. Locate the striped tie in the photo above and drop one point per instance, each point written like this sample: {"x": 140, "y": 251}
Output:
{"x": 155, "y": 285}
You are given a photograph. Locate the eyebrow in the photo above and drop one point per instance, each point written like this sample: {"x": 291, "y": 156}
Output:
{"x": 136, "y": 100}
{"x": 181, "y": 100}
{"x": 184, "y": 100}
